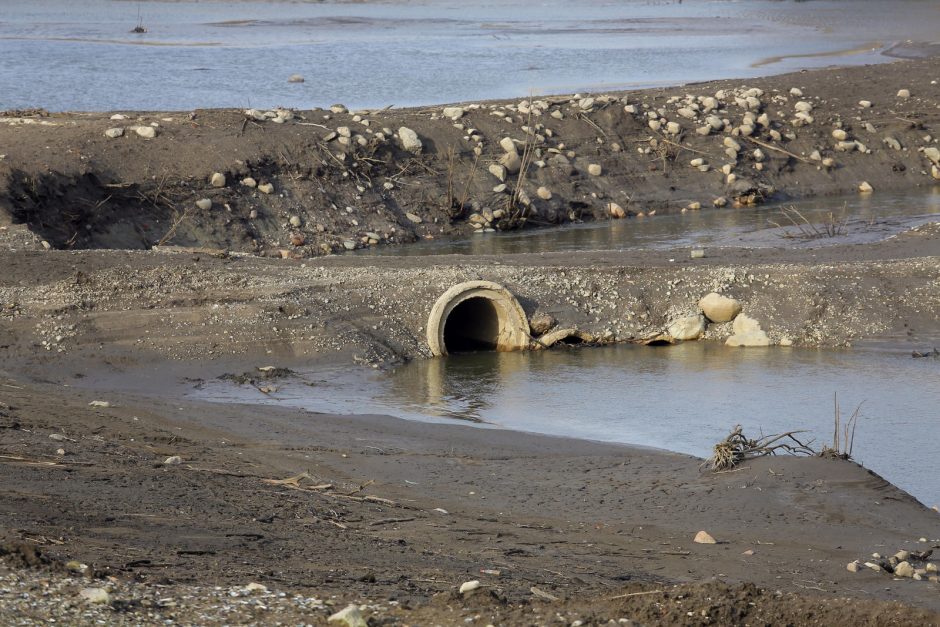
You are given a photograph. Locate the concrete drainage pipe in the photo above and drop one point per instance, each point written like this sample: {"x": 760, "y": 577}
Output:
{"x": 477, "y": 316}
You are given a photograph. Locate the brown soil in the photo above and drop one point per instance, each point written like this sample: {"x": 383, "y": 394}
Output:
{"x": 394, "y": 515}
{"x": 413, "y": 511}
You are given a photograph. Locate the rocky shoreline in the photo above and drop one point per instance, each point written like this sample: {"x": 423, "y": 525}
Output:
{"x": 314, "y": 182}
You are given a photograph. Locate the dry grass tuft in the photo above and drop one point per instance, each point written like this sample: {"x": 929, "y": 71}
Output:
{"x": 843, "y": 434}
{"x": 830, "y": 227}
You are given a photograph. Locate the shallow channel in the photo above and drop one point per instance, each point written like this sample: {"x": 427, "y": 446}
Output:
{"x": 683, "y": 398}
{"x": 866, "y": 219}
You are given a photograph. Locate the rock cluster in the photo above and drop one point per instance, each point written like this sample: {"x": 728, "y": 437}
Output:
{"x": 902, "y": 565}
{"x": 276, "y": 116}
{"x": 718, "y": 309}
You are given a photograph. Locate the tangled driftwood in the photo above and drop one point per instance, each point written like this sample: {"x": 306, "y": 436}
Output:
{"x": 737, "y": 448}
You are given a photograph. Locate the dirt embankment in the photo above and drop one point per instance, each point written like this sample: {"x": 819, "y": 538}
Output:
{"x": 319, "y": 181}
{"x": 56, "y": 304}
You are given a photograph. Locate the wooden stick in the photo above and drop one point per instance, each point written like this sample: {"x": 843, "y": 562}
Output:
{"x": 360, "y": 488}
{"x": 389, "y": 521}
{"x": 633, "y": 594}
{"x": 781, "y": 150}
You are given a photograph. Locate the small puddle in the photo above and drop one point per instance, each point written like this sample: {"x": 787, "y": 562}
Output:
{"x": 683, "y": 398}
{"x": 865, "y": 218}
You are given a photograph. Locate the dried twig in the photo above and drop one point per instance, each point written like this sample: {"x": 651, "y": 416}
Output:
{"x": 180, "y": 217}
{"x": 389, "y": 521}
{"x": 291, "y": 481}
{"x": 737, "y": 448}
{"x": 780, "y": 150}
{"x": 633, "y": 594}
{"x": 360, "y": 488}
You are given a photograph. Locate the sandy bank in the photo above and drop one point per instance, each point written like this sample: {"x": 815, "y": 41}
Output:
{"x": 430, "y": 507}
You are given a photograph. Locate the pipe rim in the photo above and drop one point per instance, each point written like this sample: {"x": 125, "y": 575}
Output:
{"x": 513, "y": 323}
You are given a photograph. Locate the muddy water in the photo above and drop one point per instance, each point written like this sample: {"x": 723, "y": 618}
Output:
{"x": 239, "y": 53}
{"x": 862, "y": 219}
{"x": 682, "y": 398}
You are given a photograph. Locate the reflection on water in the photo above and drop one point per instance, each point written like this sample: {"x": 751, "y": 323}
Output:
{"x": 234, "y": 53}
{"x": 682, "y": 398}
{"x": 869, "y": 218}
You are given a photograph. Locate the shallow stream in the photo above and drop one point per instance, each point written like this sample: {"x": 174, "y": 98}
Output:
{"x": 370, "y": 54}
{"x": 863, "y": 219}
{"x": 683, "y": 398}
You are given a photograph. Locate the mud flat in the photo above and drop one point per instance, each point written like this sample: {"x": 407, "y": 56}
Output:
{"x": 112, "y": 479}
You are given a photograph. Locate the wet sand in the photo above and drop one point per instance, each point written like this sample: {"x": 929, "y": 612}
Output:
{"x": 428, "y": 508}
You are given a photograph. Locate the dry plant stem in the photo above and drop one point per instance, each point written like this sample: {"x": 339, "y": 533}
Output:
{"x": 527, "y": 152}
{"x": 835, "y": 431}
{"x": 592, "y": 124}
{"x": 850, "y": 437}
{"x": 172, "y": 232}
{"x": 633, "y": 594}
{"x": 681, "y": 147}
{"x": 843, "y": 435}
{"x": 465, "y": 194}
{"x": 451, "y": 165}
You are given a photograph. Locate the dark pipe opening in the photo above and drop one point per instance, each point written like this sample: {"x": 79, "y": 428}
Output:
{"x": 473, "y": 325}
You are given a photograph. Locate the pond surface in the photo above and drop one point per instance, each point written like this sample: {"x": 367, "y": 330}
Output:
{"x": 862, "y": 219}
{"x": 682, "y": 398}
{"x": 240, "y": 53}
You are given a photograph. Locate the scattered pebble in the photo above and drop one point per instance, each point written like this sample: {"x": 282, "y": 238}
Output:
{"x": 703, "y": 537}
{"x": 409, "y": 140}
{"x": 95, "y": 596}
{"x": 350, "y": 616}
{"x": 147, "y": 132}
